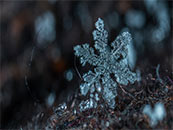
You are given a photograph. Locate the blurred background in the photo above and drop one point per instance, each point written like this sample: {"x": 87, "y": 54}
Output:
{"x": 38, "y": 66}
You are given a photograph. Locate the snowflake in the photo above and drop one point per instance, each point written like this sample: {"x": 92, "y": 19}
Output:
{"x": 110, "y": 60}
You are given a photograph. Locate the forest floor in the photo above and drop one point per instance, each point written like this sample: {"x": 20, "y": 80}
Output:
{"x": 128, "y": 114}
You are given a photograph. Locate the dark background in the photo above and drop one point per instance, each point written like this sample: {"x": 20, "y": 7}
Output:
{"x": 32, "y": 70}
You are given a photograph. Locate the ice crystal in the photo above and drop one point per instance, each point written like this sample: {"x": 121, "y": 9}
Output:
{"x": 155, "y": 115}
{"x": 110, "y": 60}
{"x": 87, "y": 104}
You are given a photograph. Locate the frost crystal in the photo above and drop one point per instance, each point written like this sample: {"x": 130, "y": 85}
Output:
{"x": 155, "y": 115}
{"x": 109, "y": 61}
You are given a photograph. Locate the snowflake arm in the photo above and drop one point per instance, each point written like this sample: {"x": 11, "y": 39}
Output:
{"x": 100, "y": 36}
{"x": 86, "y": 54}
{"x": 120, "y": 45}
{"x": 109, "y": 91}
{"x": 123, "y": 75}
